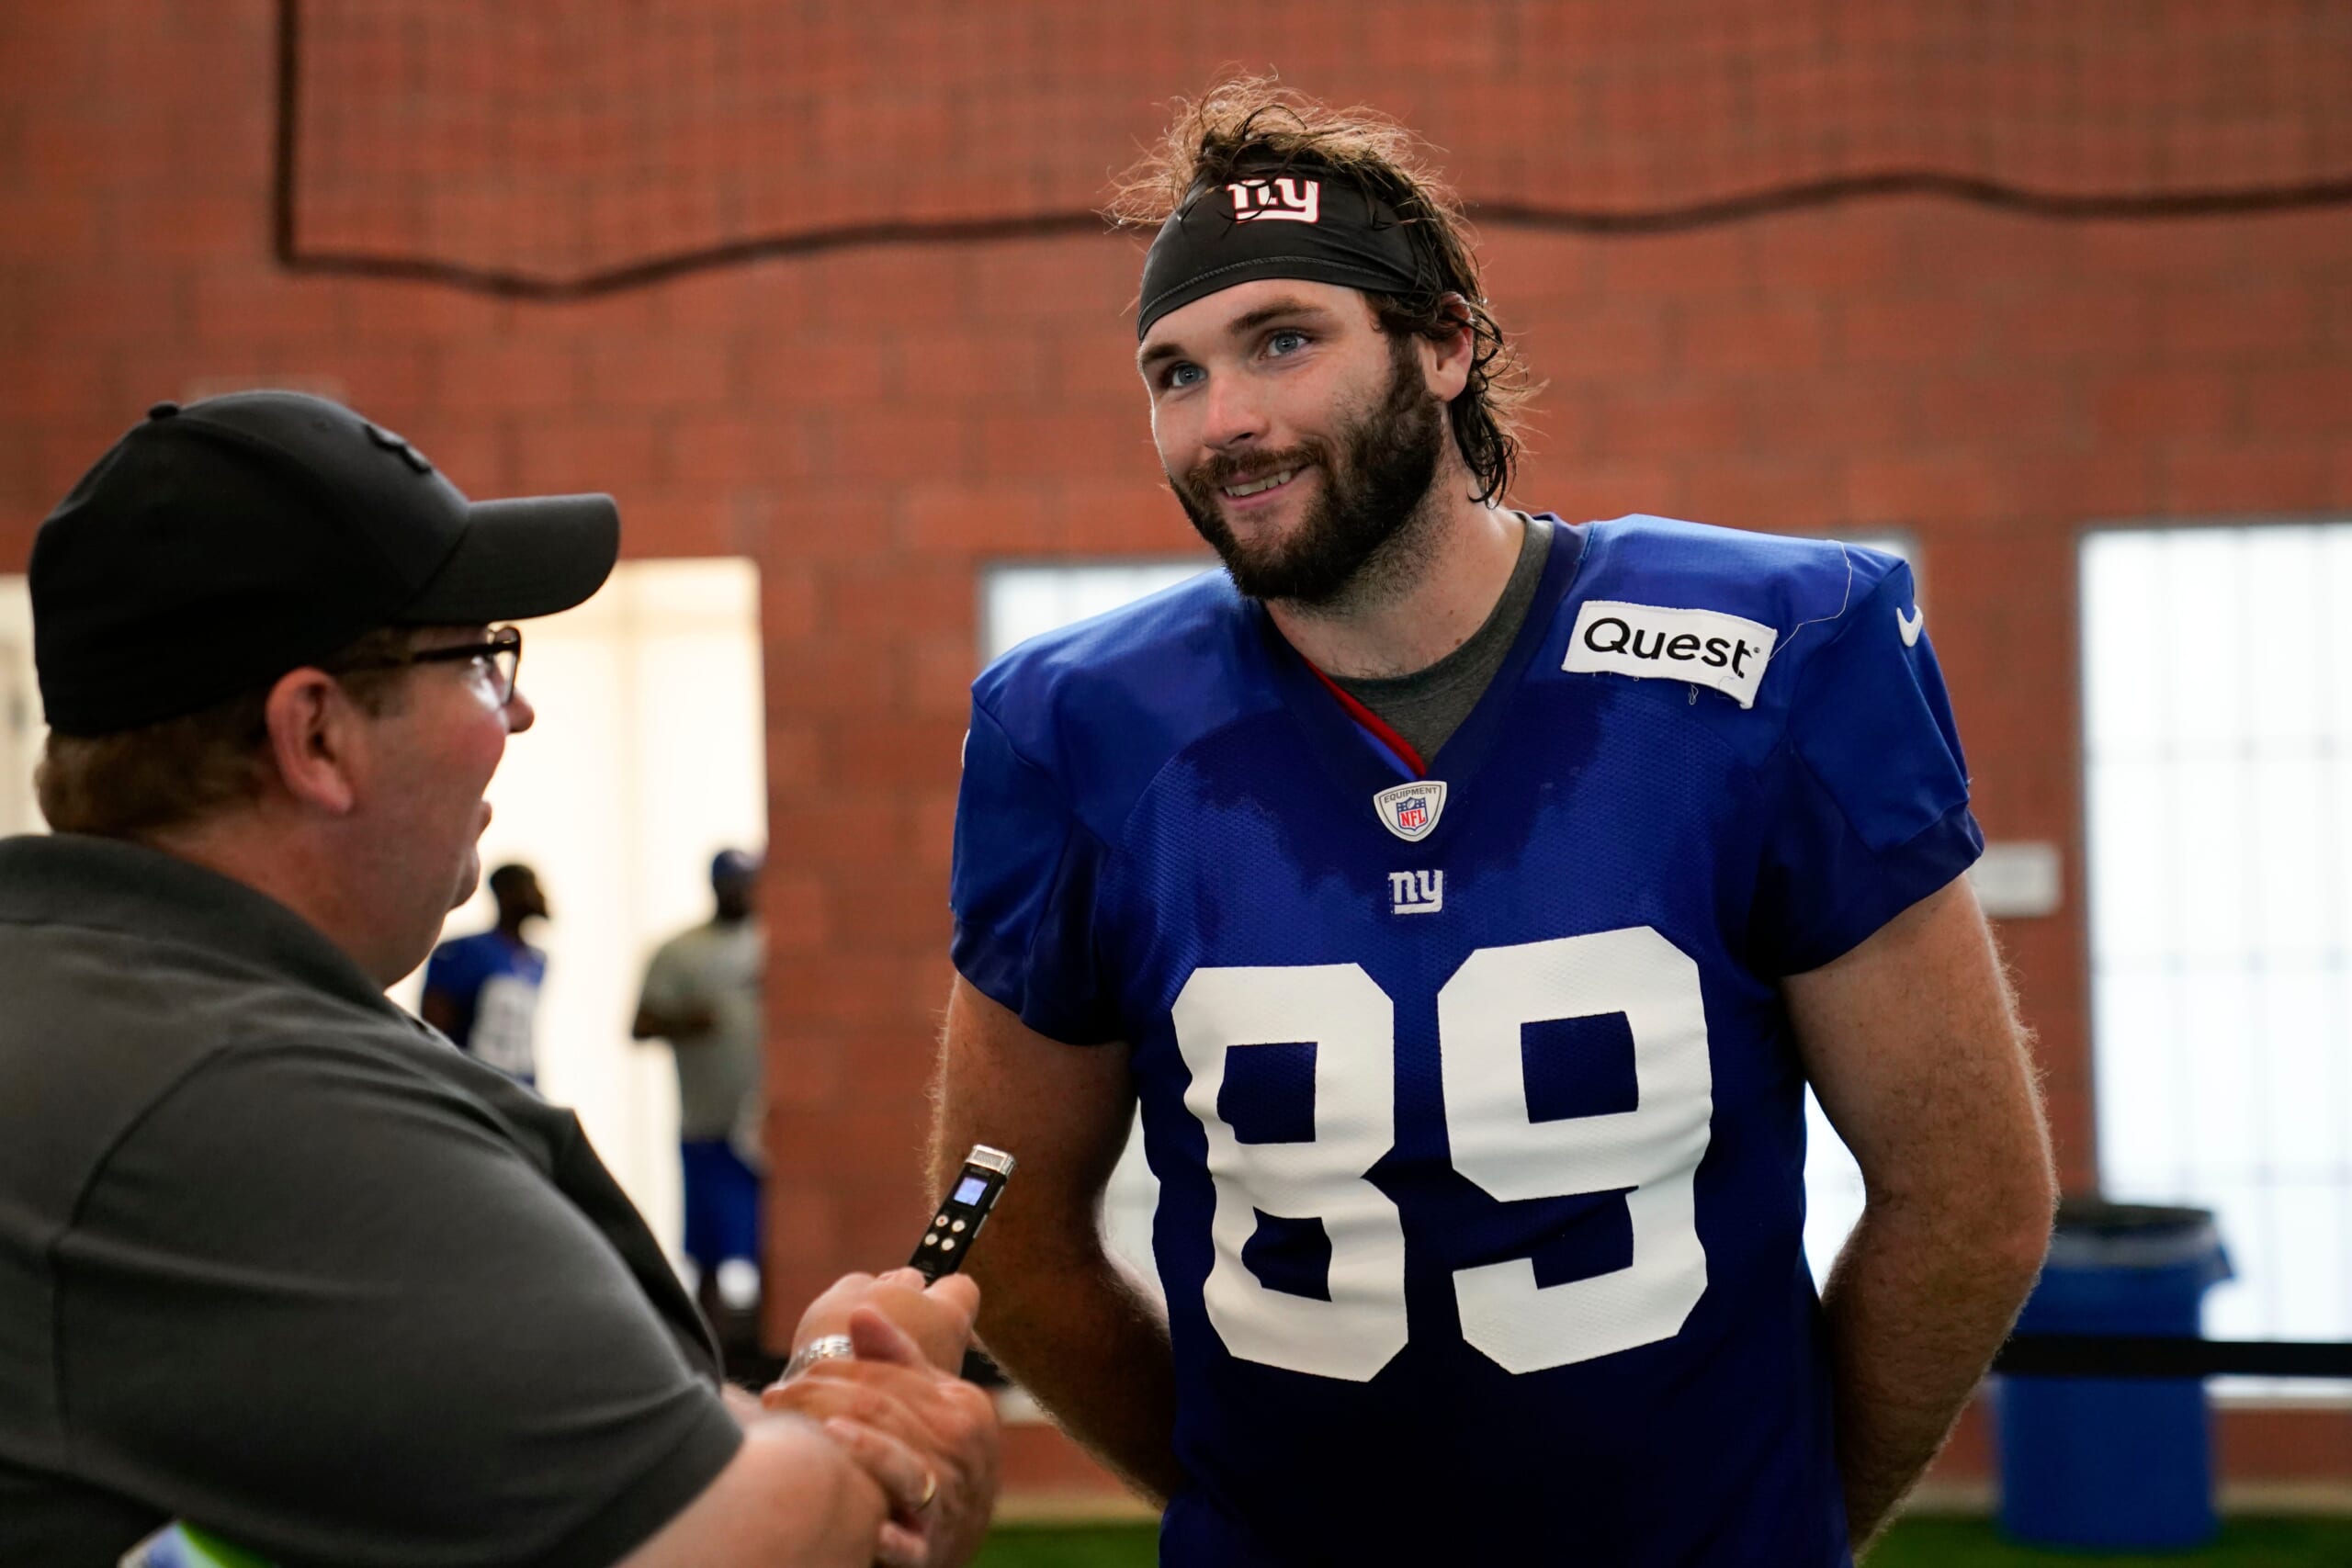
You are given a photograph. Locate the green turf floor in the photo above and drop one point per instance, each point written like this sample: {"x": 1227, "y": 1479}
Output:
{"x": 2243, "y": 1543}
{"x": 1916, "y": 1543}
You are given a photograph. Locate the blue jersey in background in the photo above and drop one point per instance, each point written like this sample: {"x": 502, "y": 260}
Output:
{"x": 494, "y": 984}
{"x": 1475, "y": 1109}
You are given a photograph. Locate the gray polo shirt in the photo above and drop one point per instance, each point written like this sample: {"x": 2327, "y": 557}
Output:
{"x": 276, "y": 1258}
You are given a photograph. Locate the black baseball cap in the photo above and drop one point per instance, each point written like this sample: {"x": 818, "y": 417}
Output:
{"x": 219, "y": 545}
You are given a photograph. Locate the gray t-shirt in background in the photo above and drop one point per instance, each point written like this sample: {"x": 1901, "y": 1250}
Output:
{"x": 715, "y": 967}
{"x": 278, "y": 1259}
{"x": 1427, "y": 707}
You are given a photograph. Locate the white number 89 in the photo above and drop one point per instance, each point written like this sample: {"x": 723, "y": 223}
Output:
{"x": 1653, "y": 1149}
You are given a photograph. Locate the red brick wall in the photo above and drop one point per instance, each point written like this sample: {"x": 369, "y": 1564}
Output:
{"x": 871, "y": 425}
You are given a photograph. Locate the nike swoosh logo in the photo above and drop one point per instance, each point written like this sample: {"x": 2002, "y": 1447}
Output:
{"x": 1910, "y": 625}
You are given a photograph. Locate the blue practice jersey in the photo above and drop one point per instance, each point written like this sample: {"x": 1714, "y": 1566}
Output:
{"x": 1476, "y": 1108}
{"x": 495, "y": 985}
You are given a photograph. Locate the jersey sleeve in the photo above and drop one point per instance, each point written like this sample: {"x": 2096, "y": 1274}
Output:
{"x": 1868, "y": 793}
{"x": 369, "y": 1332}
{"x": 1023, "y": 887}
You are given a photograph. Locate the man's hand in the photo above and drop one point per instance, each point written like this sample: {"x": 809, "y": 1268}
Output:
{"x": 926, "y": 1436}
{"x": 938, "y": 1319}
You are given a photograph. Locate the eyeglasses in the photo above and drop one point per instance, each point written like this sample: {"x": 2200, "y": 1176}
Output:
{"x": 501, "y": 653}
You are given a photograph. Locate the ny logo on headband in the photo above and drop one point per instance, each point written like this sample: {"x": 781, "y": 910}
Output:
{"x": 1297, "y": 201}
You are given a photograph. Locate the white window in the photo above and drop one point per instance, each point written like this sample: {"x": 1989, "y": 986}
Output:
{"x": 1018, "y": 602}
{"x": 2217, "y": 697}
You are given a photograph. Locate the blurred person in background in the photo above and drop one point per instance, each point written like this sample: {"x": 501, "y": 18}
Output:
{"x": 274, "y": 1259}
{"x": 702, "y": 997}
{"x": 482, "y": 991}
{"x": 1469, "y": 897}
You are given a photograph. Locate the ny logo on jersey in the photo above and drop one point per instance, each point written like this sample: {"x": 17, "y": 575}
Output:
{"x": 1296, "y": 201}
{"x": 1415, "y": 892}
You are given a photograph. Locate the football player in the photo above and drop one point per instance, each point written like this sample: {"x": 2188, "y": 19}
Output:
{"x": 1467, "y": 897}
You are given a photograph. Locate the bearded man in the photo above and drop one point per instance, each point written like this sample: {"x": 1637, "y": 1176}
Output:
{"x": 1468, "y": 897}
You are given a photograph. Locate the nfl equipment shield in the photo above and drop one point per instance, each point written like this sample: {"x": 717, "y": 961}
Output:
{"x": 1410, "y": 811}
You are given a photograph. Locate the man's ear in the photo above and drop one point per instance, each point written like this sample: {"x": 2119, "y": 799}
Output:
{"x": 1446, "y": 362}
{"x": 317, "y": 740}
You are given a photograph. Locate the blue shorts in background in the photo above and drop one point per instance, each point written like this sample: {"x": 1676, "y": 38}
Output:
{"x": 722, "y": 1204}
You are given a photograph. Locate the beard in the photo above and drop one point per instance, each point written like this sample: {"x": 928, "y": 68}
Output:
{"x": 1374, "y": 484}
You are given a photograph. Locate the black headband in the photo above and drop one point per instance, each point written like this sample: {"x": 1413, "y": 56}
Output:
{"x": 1276, "y": 225}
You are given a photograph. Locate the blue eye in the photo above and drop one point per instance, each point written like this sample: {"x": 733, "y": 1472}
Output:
{"x": 1293, "y": 340}
{"x": 1181, "y": 375}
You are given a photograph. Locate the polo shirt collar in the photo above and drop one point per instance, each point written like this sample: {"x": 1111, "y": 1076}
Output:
{"x": 75, "y": 879}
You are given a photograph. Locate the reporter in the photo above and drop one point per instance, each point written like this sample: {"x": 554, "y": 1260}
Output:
{"x": 274, "y": 1257}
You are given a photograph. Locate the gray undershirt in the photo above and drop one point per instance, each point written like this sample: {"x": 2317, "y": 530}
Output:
{"x": 1427, "y": 707}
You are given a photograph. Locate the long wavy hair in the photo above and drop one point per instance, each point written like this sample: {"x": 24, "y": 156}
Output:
{"x": 1254, "y": 125}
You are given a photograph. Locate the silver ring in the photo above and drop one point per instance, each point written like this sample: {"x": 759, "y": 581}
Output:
{"x": 824, "y": 1348}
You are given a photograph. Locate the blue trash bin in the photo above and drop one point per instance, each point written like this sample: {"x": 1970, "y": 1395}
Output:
{"x": 2113, "y": 1462}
